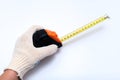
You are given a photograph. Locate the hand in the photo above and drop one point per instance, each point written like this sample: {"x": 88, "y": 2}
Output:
{"x": 25, "y": 55}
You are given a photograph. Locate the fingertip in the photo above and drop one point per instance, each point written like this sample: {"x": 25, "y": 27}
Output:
{"x": 32, "y": 29}
{"x": 36, "y": 27}
{"x": 53, "y": 48}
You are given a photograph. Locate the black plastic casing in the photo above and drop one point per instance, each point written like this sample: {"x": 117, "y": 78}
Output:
{"x": 41, "y": 38}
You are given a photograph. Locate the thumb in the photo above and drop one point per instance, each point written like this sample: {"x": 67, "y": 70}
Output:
{"x": 46, "y": 51}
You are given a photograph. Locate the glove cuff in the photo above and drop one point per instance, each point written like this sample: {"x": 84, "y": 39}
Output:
{"x": 20, "y": 64}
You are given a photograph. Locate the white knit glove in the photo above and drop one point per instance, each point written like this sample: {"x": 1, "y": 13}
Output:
{"x": 25, "y": 55}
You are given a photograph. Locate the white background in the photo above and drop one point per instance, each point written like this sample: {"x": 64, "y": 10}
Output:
{"x": 93, "y": 55}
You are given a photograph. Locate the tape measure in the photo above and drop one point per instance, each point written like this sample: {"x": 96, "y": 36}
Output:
{"x": 46, "y": 37}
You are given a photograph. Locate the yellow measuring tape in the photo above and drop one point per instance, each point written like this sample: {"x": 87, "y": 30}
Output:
{"x": 83, "y": 28}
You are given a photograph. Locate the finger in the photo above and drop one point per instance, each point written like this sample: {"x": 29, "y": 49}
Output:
{"x": 33, "y": 29}
{"x": 46, "y": 51}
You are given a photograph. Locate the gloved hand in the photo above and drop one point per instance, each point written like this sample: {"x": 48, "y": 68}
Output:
{"x": 25, "y": 55}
